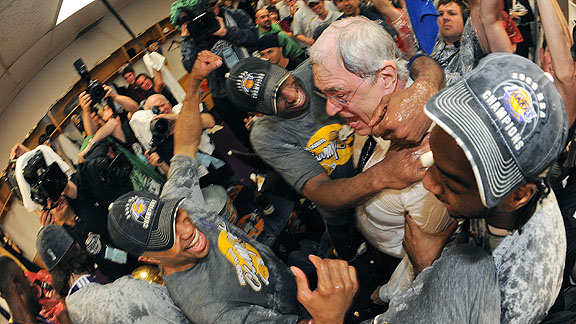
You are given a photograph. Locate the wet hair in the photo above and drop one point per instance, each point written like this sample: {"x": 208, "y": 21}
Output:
{"x": 75, "y": 261}
{"x": 463, "y": 6}
{"x": 362, "y": 45}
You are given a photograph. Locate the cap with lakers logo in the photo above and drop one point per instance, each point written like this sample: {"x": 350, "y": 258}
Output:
{"x": 508, "y": 118}
{"x": 140, "y": 221}
{"x": 253, "y": 84}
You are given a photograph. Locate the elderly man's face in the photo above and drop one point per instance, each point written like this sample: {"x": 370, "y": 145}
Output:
{"x": 164, "y": 105}
{"x": 144, "y": 83}
{"x": 348, "y": 95}
{"x": 451, "y": 22}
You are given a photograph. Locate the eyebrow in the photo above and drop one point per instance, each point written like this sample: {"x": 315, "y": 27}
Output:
{"x": 454, "y": 178}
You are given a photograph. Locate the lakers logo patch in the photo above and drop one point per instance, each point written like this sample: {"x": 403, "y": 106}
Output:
{"x": 250, "y": 83}
{"x": 518, "y": 103}
{"x": 330, "y": 148}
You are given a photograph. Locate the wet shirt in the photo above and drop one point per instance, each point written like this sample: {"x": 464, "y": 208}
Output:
{"x": 459, "y": 60}
{"x": 460, "y": 287}
{"x": 303, "y": 147}
{"x": 124, "y": 301}
{"x": 240, "y": 280}
{"x": 529, "y": 263}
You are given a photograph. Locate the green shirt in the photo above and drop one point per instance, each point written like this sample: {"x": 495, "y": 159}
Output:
{"x": 291, "y": 48}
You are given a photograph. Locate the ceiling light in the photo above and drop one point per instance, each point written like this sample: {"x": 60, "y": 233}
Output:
{"x": 70, "y": 7}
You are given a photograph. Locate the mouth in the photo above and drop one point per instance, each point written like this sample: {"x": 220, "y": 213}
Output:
{"x": 353, "y": 121}
{"x": 299, "y": 102}
{"x": 198, "y": 242}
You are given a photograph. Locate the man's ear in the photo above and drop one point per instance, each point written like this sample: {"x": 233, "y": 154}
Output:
{"x": 389, "y": 74}
{"x": 148, "y": 259}
{"x": 519, "y": 198}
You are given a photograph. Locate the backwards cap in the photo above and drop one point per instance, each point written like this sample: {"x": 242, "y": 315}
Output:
{"x": 509, "y": 120}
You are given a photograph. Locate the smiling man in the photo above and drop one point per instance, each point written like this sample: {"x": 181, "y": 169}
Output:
{"x": 213, "y": 270}
{"x": 310, "y": 149}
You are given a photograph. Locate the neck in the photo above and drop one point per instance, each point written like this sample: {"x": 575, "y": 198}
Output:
{"x": 284, "y": 62}
{"x": 264, "y": 29}
{"x": 451, "y": 41}
{"x": 323, "y": 15}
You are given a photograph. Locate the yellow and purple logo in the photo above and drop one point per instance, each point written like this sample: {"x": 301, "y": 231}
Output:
{"x": 518, "y": 103}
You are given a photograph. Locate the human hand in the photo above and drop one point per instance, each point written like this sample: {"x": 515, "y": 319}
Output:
{"x": 375, "y": 297}
{"x": 205, "y": 63}
{"x": 421, "y": 247}
{"x": 170, "y": 117}
{"x": 222, "y": 31}
{"x": 85, "y": 101}
{"x": 46, "y": 218}
{"x": 153, "y": 158}
{"x": 401, "y": 167}
{"x": 17, "y": 151}
{"x": 337, "y": 286}
{"x": 109, "y": 92}
{"x": 293, "y": 8}
{"x": 400, "y": 116}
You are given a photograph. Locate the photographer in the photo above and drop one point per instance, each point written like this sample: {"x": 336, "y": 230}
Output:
{"x": 232, "y": 36}
{"x": 154, "y": 86}
{"x": 77, "y": 202}
{"x": 154, "y": 129}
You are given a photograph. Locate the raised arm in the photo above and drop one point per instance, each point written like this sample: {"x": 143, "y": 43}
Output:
{"x": 127, "y": 103}
{"x": 492, "y": 29}
{"x": 559, "y": 41}
{"x": 85, "y": 103}
{"x": 158, "y": 81}
{"x": 188, "y": 126}
{"x": 398, "y": 170}
{"x": 400, "y": 116}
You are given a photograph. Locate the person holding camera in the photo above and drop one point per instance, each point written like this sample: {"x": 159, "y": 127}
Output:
{"x": 154, "y": 129}
{"x": 226, "y": 32}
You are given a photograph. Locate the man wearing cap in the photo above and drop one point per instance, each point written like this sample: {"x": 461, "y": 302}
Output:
{"x": 213, "y": 270}
{"x": 290, "y": 48}
{"x": 311, "y": 150}
{"x": 270, "y": 49}
{"x": 498, "y": 131}
{"x": 126, "y": 300}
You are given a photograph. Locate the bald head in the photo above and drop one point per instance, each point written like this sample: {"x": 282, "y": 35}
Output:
{"x": 160, "y": 101}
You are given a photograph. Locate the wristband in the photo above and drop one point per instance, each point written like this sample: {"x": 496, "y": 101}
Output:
{"x": 91, "y": 142}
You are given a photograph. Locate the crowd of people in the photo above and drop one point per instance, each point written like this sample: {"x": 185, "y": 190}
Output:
{"x": 408, "y": 131}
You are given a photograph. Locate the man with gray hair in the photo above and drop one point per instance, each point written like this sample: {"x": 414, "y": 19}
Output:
{"x": 371, "y": 67}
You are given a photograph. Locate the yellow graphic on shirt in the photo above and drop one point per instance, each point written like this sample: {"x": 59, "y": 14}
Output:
{"x": 331, "y": 146}
{"x": 250, "y": 268}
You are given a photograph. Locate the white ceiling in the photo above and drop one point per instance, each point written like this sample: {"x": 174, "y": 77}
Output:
{"x": 29, "y": 38}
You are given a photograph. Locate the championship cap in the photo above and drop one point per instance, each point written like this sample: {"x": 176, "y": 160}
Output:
{"x": 52, "y": 243}
{"x": 140, "y": 221}
{"x": 253, "y": 83}
{"x": 509, "y": 120}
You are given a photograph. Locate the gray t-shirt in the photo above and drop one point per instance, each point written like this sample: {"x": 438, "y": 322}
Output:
{"x": 125, "y": 301}
{"x": 240, "y": 280}
{"x": 303, "y": 147}
{"x": 457, "y": 61}
{"x": 460, "y": 287}
{"x": 529, "y": 263}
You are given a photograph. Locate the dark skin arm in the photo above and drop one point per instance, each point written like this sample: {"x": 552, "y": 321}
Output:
{"x": 400, "y": 116}
{"x": 189, "y": 126}
{"x": 398, "y": 170}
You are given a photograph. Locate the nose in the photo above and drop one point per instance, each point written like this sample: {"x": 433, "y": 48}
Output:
{"x": 430, "y": 182}
{"x": 332, "y": 109}
{"x": 184, "y": 229}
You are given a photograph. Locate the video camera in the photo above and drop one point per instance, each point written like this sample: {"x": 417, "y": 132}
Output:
{"x": 95, "y": 88}
{"x": 46, "y": 181}
{"x": 201, "y": 26}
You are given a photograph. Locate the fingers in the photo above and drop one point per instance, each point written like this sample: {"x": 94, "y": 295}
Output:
{"x": 303, "y": 287}
{"x": 45, "y": 218}
{"x": 380, "y": 111}
{"x": 334, "y": 275}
